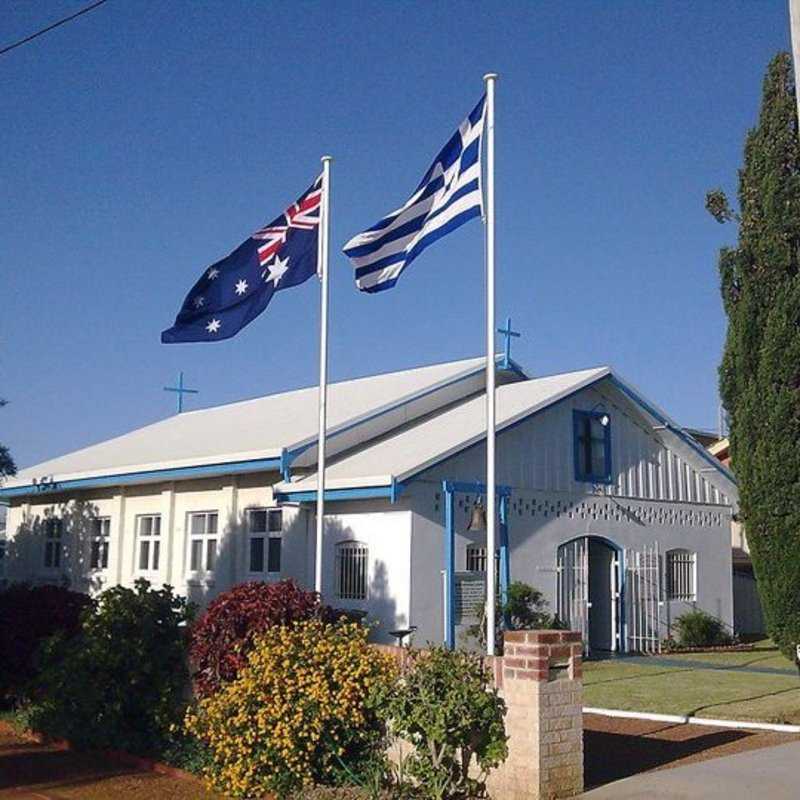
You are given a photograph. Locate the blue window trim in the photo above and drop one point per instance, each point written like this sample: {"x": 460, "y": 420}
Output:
{"x": 578, "y": 419}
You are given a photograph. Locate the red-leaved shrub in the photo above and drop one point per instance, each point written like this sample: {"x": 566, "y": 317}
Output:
{"x": 223, "y": 636}
{"x": 28, "y": 616}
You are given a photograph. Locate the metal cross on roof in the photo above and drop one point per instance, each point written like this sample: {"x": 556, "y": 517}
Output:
{"x": 181, "y": 390}
{"x": 509, "y": 334}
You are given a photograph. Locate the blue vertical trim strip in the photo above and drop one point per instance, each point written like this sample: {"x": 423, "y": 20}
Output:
{"x": 505, "y": 569}
{"x": 286, "y": 465}
{"x": 449, "y": 567}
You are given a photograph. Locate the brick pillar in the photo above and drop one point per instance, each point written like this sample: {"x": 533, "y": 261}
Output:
{"x": 542, "y": 686}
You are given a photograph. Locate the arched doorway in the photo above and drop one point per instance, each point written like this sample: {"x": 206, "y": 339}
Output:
{"x": 588, "y": 593}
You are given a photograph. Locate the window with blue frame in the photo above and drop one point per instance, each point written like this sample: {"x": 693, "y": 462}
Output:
{"x": 592, "y": 443}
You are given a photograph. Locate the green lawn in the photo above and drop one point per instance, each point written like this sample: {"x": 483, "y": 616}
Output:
{"x": 730, "y": 690}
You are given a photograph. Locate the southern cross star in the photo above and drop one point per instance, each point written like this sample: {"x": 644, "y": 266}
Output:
{"x": 213, "y": 326}
{"x": 277, "y": 269}
{"x": 212, "y": 273}
{"x": 241, "y": 286}
{"x": 199, "y": 302}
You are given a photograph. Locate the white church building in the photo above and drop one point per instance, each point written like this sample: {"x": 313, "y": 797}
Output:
{"x": 606, "y": 505}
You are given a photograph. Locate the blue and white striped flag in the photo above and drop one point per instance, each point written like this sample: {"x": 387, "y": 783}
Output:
{"x": 448, "y": 196}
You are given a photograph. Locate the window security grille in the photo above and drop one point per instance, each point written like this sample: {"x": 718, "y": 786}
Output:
{"x": 352, "y": 562}
{"x": 681, "y": 568}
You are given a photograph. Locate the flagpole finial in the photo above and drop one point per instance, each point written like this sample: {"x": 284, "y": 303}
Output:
{"x": 326, "y": 159}
{"x": 490, "y": 76}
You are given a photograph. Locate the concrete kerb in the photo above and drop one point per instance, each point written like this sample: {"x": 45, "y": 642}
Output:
{"x": 679, "y": 719}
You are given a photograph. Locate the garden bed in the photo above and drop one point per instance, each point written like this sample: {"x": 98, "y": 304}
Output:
{"x": 30, "y": 767}
{"x": 741, "y": 647}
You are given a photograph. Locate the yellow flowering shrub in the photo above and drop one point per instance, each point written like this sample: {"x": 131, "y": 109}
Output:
{"x": 302, "y": 711}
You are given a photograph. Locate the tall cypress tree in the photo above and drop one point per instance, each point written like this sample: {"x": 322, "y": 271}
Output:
{"x": 760, "y": 369}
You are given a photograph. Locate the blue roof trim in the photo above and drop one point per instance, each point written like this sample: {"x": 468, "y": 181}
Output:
{"x": 282, "y": 464}
{"x": 389, "y": 492}
{"x": 147, "y": 476}
{"x": 676, "y": 429}
{"x": 476, "y": 487}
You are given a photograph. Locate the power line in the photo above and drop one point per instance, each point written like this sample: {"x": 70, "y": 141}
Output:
{"x": 50, "y": 27}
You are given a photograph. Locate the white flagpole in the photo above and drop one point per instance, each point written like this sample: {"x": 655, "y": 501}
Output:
{"x": 491, "y": 505}
{"x": 322, "y": 265}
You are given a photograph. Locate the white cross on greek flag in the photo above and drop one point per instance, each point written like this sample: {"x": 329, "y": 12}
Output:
{"x": 448, "y": 196}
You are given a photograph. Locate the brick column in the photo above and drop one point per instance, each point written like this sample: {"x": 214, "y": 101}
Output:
{"x": 542, "y": 686}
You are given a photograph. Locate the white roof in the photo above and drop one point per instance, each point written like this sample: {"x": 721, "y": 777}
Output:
{"x": 415, "y": 448}
{"x": 260, "y": 428}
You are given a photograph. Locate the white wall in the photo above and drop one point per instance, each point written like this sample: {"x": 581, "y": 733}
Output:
{"x": 387, "y": 534}
{"x": 230, "y": 497}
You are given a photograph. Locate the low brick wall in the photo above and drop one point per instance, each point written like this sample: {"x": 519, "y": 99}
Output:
{"x": 540, "y": 678}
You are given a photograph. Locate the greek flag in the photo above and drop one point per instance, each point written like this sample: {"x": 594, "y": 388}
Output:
{"x": 448, "y": 196}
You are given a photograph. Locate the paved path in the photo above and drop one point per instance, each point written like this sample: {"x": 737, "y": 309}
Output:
{"x": 686, "y": 663}
{"x": 771, "y": 772}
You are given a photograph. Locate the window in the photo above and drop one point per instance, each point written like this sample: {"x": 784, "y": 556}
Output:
{"x": 265, "y": 526}
{"x": 101, "y": 532}
{"x": 53, "y": 529}
{"x": 592, "y": 443}
{"x": 352, "y": 566}
{"x": 681, "y": 575}
{"x": 203, "y": 541}
{"x": 476, "y": 561}
{"x": 148, "y": 534}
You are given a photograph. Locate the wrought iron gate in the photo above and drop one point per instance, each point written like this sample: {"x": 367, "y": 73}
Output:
{"x": 572, "y": 587}
{"x": 635, "y": 604}
{"x": 643, "y": 601}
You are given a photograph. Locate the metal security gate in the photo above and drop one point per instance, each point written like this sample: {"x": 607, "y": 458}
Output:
{"x": 572, "y": 587}
{"x": 643, "y": 600}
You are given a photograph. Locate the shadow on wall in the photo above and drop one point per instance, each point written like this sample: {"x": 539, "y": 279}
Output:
{"x": 25, "y": 561}
{"x": 379, "y": 605}
{"x": 233, "y": 560}
{"x": 68, "y": 549}
{"x": 382, "y": 607}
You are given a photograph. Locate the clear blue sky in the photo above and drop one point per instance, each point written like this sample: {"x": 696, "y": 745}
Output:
{"x": 146, "y": 140}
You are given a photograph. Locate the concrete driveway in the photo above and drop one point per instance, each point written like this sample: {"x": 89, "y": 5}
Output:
{"x": 772, "y": 772}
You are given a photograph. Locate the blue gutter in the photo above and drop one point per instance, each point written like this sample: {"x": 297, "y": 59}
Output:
{"x": 282, "y": 464}
{"x": 390, "y": 492}
{"x": 148, "y": 476}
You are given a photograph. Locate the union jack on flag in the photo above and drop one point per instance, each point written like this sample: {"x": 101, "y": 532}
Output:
{"x": 234, "y": 291}
{"x": 304, "y": 214}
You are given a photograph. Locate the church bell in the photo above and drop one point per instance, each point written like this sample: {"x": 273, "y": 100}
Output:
{"x": 477, "y": 520}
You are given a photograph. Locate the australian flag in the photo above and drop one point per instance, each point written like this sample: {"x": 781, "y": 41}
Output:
{"x": 235, "y": 290}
